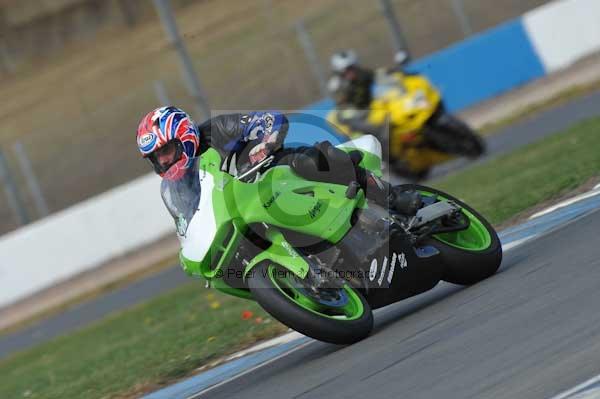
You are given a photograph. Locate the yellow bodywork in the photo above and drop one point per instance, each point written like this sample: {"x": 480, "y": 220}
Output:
{"x": 406, "y": 103}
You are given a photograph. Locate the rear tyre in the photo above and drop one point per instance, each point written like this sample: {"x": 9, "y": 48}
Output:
{"x": 470, "y": 255}
{"x": 343, "y": 317}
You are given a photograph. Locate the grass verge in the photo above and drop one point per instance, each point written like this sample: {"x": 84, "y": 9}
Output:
{"x": 138, "y": 350}
{"x": 169, "y": 337}
{"x": 513, "y": 183}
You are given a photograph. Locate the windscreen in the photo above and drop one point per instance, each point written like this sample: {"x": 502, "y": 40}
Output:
{"x": 181, "y": 197}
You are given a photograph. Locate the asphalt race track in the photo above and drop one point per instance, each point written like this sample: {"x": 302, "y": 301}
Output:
{"x": 530, "y": 331}
{"x": 517, "y": 135}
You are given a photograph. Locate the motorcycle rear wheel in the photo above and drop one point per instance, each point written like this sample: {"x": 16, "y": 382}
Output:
{"x": 450, "y": 134}
{"x": 343, "y": 320}
{"x": 470, "y": 255}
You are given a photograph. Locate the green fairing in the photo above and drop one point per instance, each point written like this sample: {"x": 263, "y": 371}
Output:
{"x": 279, "y": 199}
{"x": 281, "y": 253}
{"x": 221, "y": 286}
{"x": 189, "y": 266}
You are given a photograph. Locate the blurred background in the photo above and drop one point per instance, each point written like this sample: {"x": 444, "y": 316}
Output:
{"x": 76, "y": 75}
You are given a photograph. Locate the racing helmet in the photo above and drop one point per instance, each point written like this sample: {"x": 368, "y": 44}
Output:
{"x": 343, "y": 60}
{"x": 169, "y": 139}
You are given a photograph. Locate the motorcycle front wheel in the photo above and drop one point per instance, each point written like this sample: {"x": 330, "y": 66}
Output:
{"x": 335, "y": 315}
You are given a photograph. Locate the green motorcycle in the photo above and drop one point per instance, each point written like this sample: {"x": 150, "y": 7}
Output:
{"x": 318, "y": 256}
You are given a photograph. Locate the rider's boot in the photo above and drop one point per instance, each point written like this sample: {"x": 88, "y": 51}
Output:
{"x": 406, "y": 202}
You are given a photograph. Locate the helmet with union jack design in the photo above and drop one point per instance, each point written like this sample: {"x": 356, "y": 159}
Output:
{"x": 169, "y": 139}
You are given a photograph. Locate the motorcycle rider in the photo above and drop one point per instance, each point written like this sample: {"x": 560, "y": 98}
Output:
{"x": 170, "y": 140}
{"x": 358, "y": 79}
{"x": 351, "y": 88}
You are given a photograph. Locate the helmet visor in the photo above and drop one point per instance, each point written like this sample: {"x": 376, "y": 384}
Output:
{"x": 166, "y": 156}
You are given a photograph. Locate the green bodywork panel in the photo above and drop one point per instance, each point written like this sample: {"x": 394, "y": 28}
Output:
{"x": 281, "y": 253}
{"x": 220, "y": 285}
{"x": 279, "y": 199}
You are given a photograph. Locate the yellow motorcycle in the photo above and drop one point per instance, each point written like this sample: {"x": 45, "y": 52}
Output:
{"x": 408, "y": 116}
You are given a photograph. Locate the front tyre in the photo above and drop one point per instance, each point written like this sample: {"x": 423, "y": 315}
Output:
{"x": 450, "y": 134}
{"x": 337, "y": 315}
{"x": 470, "y": 255}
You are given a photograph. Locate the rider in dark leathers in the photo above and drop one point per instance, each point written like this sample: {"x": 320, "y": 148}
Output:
{"x": 240, "y": 140}
{"x": 350, "y": 85}
{"x": 168, "y": 138}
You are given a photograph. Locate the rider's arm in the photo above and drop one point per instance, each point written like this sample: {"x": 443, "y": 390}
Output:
{"x": 242, "y": 140}
{"x": 232, "y": 132}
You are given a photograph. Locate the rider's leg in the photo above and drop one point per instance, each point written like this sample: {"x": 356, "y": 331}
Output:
{"x": 324, "y": 162}
{"x": 382, "y": 193}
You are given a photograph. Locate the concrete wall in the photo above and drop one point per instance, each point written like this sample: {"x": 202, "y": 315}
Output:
{"x": 81, "y": 237}
{"x": 564, "y": 31}
{"x": 542, "y": 41}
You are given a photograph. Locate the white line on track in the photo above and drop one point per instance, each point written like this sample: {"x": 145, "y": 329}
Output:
{"x": 283, "y": 339}
{"x": 297, "y": 348}
{"x": 589, "y": 194}
{"x": 592, "y": 394}
{"x": 516, "y": 243}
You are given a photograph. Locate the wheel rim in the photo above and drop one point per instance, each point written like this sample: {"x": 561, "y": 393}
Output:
{"x": 475, "y": 238}
{"x": 342, "y": 304}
